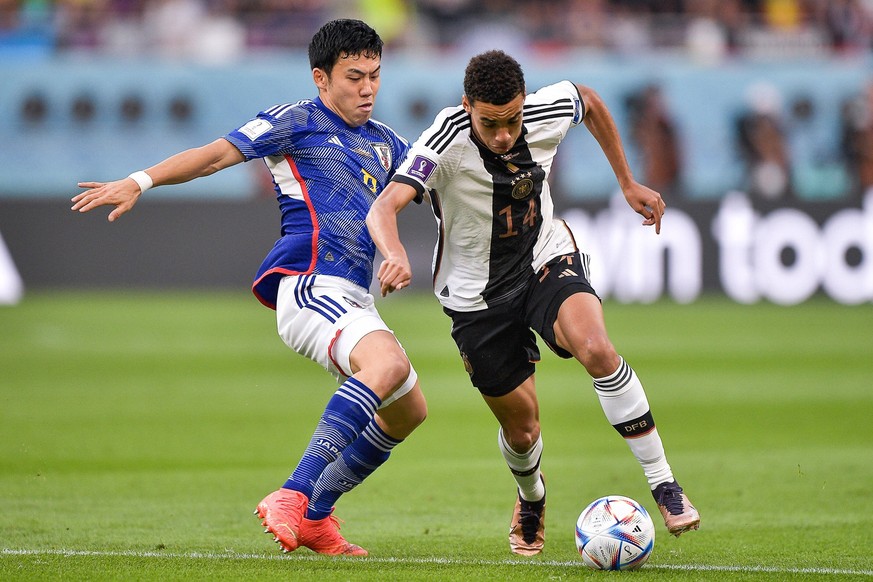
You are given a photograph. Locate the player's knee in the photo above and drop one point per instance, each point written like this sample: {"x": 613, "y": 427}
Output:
{"x": 394, "y": 368}
{"x": 598, "y": 356}
{"x": 521, "y": 438}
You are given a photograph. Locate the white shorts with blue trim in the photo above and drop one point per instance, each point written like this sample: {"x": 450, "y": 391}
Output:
{"x": 324, "y": 317}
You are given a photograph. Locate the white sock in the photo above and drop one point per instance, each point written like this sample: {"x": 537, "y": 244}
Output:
{"x": 525, "y": 467}
{"x": 624, "y": 402}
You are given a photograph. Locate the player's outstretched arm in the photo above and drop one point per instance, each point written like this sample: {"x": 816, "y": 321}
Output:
{"x": 395, "y": 272}
{"x": 182, "y": 167}
{"x": 601, "y": 124}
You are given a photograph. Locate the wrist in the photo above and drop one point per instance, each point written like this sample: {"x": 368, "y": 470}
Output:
{"x": 143, "y": 180}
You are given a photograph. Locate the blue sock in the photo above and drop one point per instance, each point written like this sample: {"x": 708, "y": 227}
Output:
{"x": 347, "y": 413}
{"x": 356, "y": 463}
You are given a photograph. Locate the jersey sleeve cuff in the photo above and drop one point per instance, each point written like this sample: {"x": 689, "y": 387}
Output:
{"x": 418, "y": 186}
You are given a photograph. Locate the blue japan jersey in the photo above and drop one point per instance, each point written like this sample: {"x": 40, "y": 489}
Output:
{"x": 326, "y": 175}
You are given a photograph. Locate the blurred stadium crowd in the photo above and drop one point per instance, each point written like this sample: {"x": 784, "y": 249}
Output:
{"x": 806, "y": 137}
{"x": 219, "y": 29}
{"x": 732, "y": 109}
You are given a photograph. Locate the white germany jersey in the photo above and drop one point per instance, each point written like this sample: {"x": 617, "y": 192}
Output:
{"x": 494, "y": 211}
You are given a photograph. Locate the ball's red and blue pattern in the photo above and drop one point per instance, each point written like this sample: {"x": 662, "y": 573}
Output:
{"x": 615, "y": 533}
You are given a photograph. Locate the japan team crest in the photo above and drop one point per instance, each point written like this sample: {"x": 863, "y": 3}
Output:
{"x": 383, "y": 152}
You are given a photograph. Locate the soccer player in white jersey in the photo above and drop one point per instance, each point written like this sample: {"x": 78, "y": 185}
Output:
{"x": 505, "y": 266}
{"x": 329, "y": 161}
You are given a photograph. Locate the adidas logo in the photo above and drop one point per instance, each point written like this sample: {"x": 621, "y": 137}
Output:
{"x": 445, "y": 291}
{"x": 335, "y": 140}
{"x": 567, "y": 273}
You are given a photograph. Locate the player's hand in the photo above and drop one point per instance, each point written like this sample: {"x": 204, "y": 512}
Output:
{"x": 394, "y": 274}
{"x": 647, "y": 203}
{"x": 122, "y": 194}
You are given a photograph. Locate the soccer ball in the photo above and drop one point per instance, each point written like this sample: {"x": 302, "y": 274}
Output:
{"x": 615, "y": 533}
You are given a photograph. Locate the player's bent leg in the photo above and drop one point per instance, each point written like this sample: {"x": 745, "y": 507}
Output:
{"x": 367, "y": 453}
{"x": 581, "y": 330}
{"x": 347, "y": 415}
{"x": 361, "y": 351}
{"x": 319, "y": 531}
{"x": 520, "y": 443}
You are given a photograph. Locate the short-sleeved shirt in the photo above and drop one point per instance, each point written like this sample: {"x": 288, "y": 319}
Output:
{"x": 326, "y": 176}
{"x": 495, "y": 211}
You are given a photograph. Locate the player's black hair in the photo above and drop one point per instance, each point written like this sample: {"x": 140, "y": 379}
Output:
{"x": 493, "y": 77}
{"x": 341, "y": 38}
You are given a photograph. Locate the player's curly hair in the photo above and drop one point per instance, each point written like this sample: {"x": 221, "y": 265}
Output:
{"x": 493, "y": 77}
{"x": 342, "y": 37}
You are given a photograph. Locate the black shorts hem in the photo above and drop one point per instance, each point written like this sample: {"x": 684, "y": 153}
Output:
{"x": 546, "y": 330}
{"x": 510, "y": 383}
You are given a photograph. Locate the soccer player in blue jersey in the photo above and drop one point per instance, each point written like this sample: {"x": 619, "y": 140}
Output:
{"x": 505, "y": 267}
{"x": 329, "y": 161}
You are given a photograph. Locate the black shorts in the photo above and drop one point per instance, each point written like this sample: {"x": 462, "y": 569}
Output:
{"x": 497, "y": 344}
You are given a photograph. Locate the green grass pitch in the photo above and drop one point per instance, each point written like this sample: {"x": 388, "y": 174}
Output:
{"x": 138, "y": 432}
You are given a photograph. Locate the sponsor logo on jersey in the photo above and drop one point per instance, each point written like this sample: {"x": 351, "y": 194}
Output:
{"x": 384, "y": 153}
{"x": 255, "y": 128}
{"x": 335, "y": 140}
{"x": 421, "y": 168}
